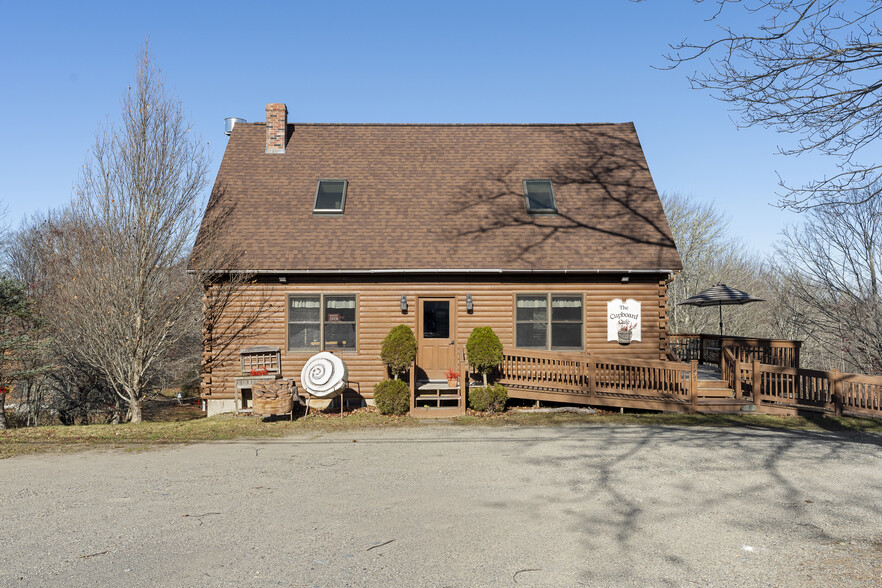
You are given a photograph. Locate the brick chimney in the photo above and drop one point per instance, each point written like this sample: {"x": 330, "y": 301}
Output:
{"x": 276, "y": 127}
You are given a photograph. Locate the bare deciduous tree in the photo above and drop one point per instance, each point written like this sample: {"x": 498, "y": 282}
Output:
{"x": 709, "y": 255}
{"x": 808, "y": 68}
{"x": 131, "y": 225}
{"x": 17, "y": 327}
{"x": 834, "y": 261}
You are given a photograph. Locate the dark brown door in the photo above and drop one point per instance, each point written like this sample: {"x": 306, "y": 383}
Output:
{"x": 437, "y": 327}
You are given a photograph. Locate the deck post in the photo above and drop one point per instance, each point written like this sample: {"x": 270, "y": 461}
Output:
{"x": 413, "y": 386}
{"x": 756, "y": 379}
{"x": 590, "y": 372}
{"x": 738, "y": 394}
{"x": 693, "y": 385}
{"x": 836, "y": 392}
{"x": 463, "y": 386}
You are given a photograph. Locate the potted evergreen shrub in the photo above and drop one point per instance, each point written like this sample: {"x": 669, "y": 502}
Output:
{"x": 484, "y": 351}
{"x": 399, "y": 350}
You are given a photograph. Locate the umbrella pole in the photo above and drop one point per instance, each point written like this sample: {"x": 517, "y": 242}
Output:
{"x": 721, "y": 322}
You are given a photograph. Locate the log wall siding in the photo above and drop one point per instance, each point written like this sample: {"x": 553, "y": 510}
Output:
{"x": 378, "y": 310}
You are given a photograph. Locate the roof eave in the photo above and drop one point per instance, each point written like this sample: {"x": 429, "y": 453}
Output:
{"x": 445, "y": 271}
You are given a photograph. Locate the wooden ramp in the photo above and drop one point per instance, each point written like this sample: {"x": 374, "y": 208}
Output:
{"x": 742, "y": 381}
{"x": 668, "y": 386}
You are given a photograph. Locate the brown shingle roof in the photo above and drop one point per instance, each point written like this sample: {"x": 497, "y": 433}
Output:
{"x": 444, "y": 197}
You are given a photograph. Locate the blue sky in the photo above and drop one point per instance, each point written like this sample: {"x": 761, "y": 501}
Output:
{"x": 65, "y": 65}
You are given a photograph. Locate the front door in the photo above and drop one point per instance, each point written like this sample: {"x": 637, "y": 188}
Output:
{"x": 436, "y": 344}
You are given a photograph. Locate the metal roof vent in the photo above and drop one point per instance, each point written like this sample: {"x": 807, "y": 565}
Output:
{"x": 230, "y": 122}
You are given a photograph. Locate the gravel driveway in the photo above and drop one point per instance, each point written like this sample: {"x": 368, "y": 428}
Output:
{"x": 442, "y": 505}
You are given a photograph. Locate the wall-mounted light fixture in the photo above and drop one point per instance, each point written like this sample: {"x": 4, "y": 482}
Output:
{"x": 470, "y": 306}
{"x": 404, "y": 303}
{"x": 283, "y": 279}
{"x": 625, "y": 279}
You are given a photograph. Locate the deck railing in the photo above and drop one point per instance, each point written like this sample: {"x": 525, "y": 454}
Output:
{"x": 532, "y": 368}
{"x": 594, "y": 377}
{"x": 673, "y": 385}
{"x": 663, "y": 379}
{"x": 709, "y": 349}
{"x": 832, "y": 391}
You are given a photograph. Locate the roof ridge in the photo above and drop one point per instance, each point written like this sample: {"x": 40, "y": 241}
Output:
{"x": 329, "y": 124}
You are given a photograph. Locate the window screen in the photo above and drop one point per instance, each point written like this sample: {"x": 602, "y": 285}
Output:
{"x": 330, "y": 196}
{"x": 549, "y": 321}
{"x": 532, "y": 321}
{"x": 566, "y": 322}
{"x": 540, "y": 196}
{"x": 304, "y": 323}
{"x": 339, "y": 322}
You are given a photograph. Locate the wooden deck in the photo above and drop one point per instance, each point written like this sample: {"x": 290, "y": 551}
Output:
{"x": 728, "y": 375}
{"x": 741, "y": 375}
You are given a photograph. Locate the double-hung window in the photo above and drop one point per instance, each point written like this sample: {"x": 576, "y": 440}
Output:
{"x": 321, "y": 322}
{"x": 549, "y": 321}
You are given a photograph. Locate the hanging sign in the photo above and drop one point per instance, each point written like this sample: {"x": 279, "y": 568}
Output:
{"x": 623, "y": 320}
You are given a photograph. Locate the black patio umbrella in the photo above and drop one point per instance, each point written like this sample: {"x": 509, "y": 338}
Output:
{"x": 718, "y": 296}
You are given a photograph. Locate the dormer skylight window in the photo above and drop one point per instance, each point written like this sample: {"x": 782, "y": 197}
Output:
{"x": 330, "y": 197}
{"x": 540, "y": 197}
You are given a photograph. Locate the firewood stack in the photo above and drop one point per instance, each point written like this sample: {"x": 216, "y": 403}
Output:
{"x": 273, "y": 397}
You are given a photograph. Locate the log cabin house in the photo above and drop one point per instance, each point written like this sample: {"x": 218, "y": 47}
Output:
{"x": 551, "y": 234}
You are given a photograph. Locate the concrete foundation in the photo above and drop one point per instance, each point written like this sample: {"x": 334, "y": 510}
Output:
{"x": 213, "y": 407}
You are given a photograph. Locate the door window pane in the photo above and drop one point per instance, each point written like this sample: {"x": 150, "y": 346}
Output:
{"x": 436, "y": 319}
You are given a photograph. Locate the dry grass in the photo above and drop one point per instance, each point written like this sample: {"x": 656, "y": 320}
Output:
{"x": 811, "y": 423}
{"x": 173, "y": 424}
{"x": 147, "y": 434}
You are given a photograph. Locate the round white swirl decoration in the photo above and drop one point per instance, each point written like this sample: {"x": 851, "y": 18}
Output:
{"x": 324, "y": 375}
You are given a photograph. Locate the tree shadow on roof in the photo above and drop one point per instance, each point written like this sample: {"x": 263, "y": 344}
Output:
{"x": 605, "y": 195}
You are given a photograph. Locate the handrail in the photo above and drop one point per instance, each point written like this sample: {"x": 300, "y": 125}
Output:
{"x": 708, "y": 349}
{"x": 729, "y": 367}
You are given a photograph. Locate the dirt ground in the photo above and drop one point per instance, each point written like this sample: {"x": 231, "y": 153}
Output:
{"x": 449, "y": 506}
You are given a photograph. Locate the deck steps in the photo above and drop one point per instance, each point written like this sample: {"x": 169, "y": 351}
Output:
{"x": 714, "y": 389}
{"x": 436, "y": 399}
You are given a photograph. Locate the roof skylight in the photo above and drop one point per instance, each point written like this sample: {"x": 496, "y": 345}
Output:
{"x": 330, "y": 197}
{"x": 540, "y": 196}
